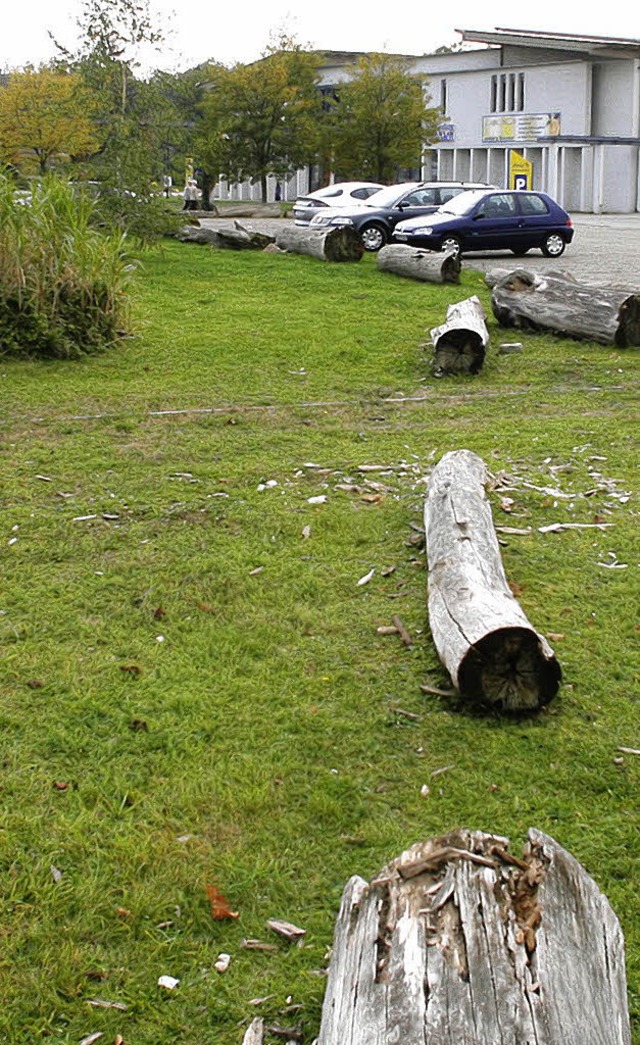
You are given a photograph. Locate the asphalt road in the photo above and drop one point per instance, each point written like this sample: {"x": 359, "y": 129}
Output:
{"x": 605, "y": 249}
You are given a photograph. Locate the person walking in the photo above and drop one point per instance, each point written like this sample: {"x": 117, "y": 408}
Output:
{"x": 190, "y": 195}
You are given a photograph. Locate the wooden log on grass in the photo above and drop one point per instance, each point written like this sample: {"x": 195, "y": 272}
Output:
{"x": 495, "y": 657}
{"x": 414, "y": 263}
{"x": 459, "y": 942}
{"x": 544, "y": 301}
{"x": 460, "y": 344}
{"x": 336, "y": 244}
{"x": 231, "y": 238}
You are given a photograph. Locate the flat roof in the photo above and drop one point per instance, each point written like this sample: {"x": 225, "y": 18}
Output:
{"x": 553, "y": 41}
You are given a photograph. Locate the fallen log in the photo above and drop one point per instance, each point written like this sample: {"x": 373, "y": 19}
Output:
{"x": 459, "y": 941}
{"x": 494, "y": 656}
{"x": 231, "y": 238}
{"x": 543, "y": 301}
{"x": 338, "y": 244}
{"x": 460, "y": 344}
{"x": 426, "y": 265}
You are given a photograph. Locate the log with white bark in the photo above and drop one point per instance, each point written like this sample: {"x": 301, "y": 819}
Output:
{"x": 337, "y": 244}
{"x": 494, "y": 656}
{"x": 544, "y": 301}
{"x": 414, "y": 263}
{"x": 235, "y": 237}
{"x": 460, "y": 344}
{"x": 459, "y": 942}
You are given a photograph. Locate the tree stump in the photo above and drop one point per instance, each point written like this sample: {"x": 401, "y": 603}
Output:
{"x": 457, "y": 942}
{"x": 542, "y": 301}
{"x": 459, "y": 345}
{"x": 426, "y": 265}
{"x": 337, "y": 244}
{"x": 494, "y": 656}
{"x": 236, "y": 238}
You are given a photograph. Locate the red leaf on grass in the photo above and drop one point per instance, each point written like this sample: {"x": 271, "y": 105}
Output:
{"x": 219, "y": 904}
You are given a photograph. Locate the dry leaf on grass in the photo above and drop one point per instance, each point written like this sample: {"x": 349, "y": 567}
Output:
{"x": 220, "y": 908}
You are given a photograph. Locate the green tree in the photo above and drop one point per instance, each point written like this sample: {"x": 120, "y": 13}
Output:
{"x": 380, "y": 121}
{"x": 134, "y": 114}
{"x": 263, "y": 118}
{"x": 46, "y": 116}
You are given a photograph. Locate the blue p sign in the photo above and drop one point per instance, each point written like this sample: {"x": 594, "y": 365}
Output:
{"x": 521, "y": 181}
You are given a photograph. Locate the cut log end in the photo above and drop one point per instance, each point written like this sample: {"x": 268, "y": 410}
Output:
{"x": 509, "y": 670}
{"x": 459, "y": 352}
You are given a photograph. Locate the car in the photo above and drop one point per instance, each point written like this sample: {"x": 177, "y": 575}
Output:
{"x": 492, "y": 220}
{"x": 375, "y": 219}
{"x": 341, "y": 194}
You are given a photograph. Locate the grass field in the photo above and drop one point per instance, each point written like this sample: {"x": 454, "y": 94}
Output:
{"x": 194, "y": 691}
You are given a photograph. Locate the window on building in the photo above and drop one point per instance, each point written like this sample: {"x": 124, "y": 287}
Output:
{"x": 443, "y": 97}
{"x": 507, "y": 92}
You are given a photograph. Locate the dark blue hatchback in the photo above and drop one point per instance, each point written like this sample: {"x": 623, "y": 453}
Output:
{"x": 492, "y": 220}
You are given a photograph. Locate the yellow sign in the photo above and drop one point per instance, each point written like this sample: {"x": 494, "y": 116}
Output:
{"x": 520, "y": 171}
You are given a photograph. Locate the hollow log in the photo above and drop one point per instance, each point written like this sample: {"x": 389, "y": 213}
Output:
{"x": 494, "y": 656}
{"x": 460, "y": 344}
{"x": 543, "y": 301}
{"x": 338, "y": 244}
{"x": 236, "y": 238}
{"x": 458, "y": 942}
{"x": 426, "y": 265}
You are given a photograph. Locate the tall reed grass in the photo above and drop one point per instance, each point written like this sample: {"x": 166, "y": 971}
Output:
{"x": 63, "y": 284}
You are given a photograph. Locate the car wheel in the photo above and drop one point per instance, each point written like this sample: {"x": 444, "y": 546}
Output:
{"x": 519, "y": 251}
{"x": 451, "y": 245}
{"x": 373, "y": 237}
{"x": 553, "y": 245}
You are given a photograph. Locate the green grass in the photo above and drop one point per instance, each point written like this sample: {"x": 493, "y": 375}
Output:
{"x": 258, "y": 746}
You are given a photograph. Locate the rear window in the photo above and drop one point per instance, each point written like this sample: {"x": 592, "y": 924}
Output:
{"x": 533, "y": 205}
{"x": 448, "y": 193}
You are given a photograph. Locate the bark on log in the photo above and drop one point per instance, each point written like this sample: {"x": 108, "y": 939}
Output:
{"x": 339, "y": 244}
{"x": 457, "y": 942}
{"x": 460, "y": 344}
{"x": 542, "y": 301}
{"x": 236, "y": 238}
{"x": 426, "y": 265}
{"x": 494, "y": 656}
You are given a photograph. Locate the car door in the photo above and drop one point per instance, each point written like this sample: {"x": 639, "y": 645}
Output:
{"x": 536, "y": 220}
{"x": 416, "y": 203}
{"x": 494, "y": 223}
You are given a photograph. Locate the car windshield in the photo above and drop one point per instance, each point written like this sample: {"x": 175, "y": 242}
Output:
{"x": 463, "y": 203}
{"x": 390, "y": 195}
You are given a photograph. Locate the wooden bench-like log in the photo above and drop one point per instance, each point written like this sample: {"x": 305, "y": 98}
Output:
{"x": 414, "y": 263}
{"x": 231, "y": 238}
{"x": 460, "y": 344}
{"x": 458, "y": 942}
{"x": 543, "y": 301}
{"x": 493, "y": 654}
{"x": 337, "y": 244}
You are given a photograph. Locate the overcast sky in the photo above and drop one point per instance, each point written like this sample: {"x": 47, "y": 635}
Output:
{"x": 240, "y": 31}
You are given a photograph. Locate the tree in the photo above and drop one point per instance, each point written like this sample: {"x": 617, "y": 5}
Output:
{"x": 263, "y": 118}
{"x": 380, "y": 120}
{"x": 45, "y": 116}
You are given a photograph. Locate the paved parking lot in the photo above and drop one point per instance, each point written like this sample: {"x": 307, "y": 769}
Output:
{"x": 605, "y": 249}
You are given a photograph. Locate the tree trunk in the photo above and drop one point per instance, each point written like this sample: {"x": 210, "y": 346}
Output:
{"x": 460, "y": 344}
{"x": 483, "y": 638}
{"x": 457, "y": 942}
{"x": 542, "y": 301}
{"x": 425, "y": 265}
{"x": 339, "y": 244}
{"x": 237, "y": 238}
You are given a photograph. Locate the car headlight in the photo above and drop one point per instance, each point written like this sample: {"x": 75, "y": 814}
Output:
{"x": 341, "y": 221}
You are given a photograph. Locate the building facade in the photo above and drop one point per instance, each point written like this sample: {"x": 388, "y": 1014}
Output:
{"x": 569, "y": 105}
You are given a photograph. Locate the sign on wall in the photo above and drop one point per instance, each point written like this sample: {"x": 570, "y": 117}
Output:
{"x": 520, "y": 126}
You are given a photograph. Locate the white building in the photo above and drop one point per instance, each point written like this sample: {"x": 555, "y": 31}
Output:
{"x": 568, "y": 104}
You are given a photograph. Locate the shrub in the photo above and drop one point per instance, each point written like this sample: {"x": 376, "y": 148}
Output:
{"x": 63, "y": 284}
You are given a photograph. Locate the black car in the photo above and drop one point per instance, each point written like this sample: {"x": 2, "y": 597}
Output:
{"x": 492, "y": 220}
{"x": 375, "y": 219}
